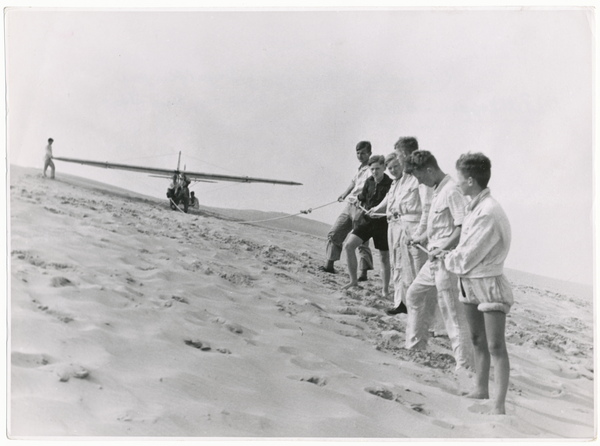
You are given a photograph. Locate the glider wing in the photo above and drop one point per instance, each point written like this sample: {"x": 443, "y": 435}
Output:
{"x": 167, "y": 173}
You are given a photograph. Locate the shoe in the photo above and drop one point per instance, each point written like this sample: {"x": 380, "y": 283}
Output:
{"x": 398, "y": 310}
{"x": 326, "y": 270}
{"x": 363, "y": 277}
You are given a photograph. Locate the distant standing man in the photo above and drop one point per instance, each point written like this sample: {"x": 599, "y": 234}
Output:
{"x": 479, "y": 262}
{"x": 48, "y": 159}
{"x": 345, "y": 222}
{"x": 444, "y": 222}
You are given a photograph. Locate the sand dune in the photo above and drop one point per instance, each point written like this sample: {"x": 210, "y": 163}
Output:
{"x": 131, "y": 320}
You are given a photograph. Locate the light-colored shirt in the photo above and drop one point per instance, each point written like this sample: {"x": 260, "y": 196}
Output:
{"x": 446, "y": 213}
{"x": 194, "y": 202}
{"x": 409, "y": 200}
{"x": 359, "y": 181}
{"x": 48, "y": 152}
{"x": 484, "y": 240}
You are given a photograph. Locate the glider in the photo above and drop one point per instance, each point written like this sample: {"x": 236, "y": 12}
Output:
{"x": 182, "y": 194}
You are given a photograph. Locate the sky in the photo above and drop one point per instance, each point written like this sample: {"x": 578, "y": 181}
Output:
{"x": 289, "y": 94}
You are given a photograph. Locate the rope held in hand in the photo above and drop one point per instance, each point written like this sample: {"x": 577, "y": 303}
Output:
{"x": 307, "y": 211}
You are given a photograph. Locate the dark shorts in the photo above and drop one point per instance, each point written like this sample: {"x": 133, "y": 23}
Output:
{"x": 375, "y": 229}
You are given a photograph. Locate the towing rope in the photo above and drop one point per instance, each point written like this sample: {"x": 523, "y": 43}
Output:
{"x": 372, "y": 215}
{"x": 175, "y": 204}
{"x": 307, "y": 211}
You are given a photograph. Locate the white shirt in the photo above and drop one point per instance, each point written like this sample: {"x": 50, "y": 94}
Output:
{"x": 359, "y": 182}
{"x": 407, "y": 197}
{"x": 446, "y": 213}
{"x": 484, "y": 240}
{"x": 48, "y": 152}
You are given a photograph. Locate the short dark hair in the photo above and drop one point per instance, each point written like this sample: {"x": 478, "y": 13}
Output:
{"x": 418, "y": 160}
{"x": 50, "y": 140}
{"x": 408, "y": 144}
{"x": 477, "y": 166}
{"x": 377, "y": 159}
{"x": 363, "y": 145}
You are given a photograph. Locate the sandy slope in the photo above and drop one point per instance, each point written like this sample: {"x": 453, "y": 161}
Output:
{"x": 128, "y": 319}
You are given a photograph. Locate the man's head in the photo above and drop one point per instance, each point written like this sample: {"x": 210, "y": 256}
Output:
{"x": 377, "y": 167}
{"x": 393, "y": 165}
{"x": 363, "y": 151}
{"x": 192, "y": 194}
{"x": 50, "y": 140}
{"x": 473, "y": 171}
{"x": 423, "y": 166}
{"x": 406, "y": 144}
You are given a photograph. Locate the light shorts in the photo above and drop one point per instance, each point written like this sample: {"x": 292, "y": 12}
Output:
{"x": 488, "y": 293}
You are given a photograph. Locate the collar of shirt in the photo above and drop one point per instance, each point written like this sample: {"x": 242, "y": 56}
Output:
{"x": 480, "y": 196}
{"x": 385, "y": 181}
{"x": 440, "y": 186}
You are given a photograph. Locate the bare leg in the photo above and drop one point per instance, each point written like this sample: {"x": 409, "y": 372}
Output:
{"x": 495, "y": 322}
{"x": 477, "y": 327}
{"x": 350, "y": 246}
{"x": 385, "y": 271}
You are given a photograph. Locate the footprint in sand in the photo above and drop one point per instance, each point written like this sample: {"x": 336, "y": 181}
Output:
{"x": 234, "y": 328}
{"x": 205, "y": 346}
{"x": 57, "y": 314}
{"x": 381, "y": 392}
{"x": 61, "y": 281}
{"x": 183, "y": 300}
{"x": 201, "y": 345}
{"x": 317, "y": 380}
{"x": 32, "y": 259}
{"x": 66, "y": 371}
{"x": 387, "y": 394}
{"x": 28, "y": 360}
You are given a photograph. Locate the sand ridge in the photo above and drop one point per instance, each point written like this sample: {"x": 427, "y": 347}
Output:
{"x": 128, "y": 319}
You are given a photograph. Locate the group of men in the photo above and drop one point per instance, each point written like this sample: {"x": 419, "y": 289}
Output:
{"x": 441, "y": 242}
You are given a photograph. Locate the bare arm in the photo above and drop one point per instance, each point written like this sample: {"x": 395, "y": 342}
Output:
{"x": 346, "y": 192}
